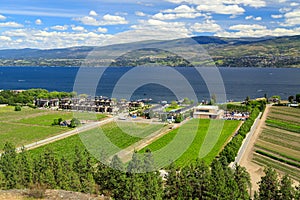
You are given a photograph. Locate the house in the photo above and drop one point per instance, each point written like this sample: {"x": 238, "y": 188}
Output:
{"x": 207, "y": 112}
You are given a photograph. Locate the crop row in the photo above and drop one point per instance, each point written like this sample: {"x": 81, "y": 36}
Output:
{"x": 283, "y": 125}
{"x": 265, "y": 161}
{"x": 295, "y": 164}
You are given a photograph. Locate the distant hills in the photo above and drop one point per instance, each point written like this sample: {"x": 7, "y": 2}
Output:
{"x": 203, "y": 50}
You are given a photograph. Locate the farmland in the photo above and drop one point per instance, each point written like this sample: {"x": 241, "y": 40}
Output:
{"x": 117, "y": 134}
{"x": 29, "y": 125}
{"x": 278, "y": 144}
{"x": 203, "y": 143}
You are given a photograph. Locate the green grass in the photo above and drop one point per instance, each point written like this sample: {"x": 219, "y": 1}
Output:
{"x": 206, "y": 146}
{"x": 31, "y": 125}
{"x": 170, "y": 108}
{"x": 19, "y": 134}
{"x": 7, "y": 113}
{"x": 114, "y": 133}
{"x": 46, "y": 120}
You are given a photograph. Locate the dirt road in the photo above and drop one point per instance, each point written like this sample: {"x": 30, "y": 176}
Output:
{"x": 255, "y": 170}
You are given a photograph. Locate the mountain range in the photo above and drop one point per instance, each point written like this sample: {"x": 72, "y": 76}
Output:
{"x": 202, "y": 50}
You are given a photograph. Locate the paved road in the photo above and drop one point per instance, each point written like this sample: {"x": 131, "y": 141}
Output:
{"x": 80, "y": 129}
{"x": 246, "y": 142}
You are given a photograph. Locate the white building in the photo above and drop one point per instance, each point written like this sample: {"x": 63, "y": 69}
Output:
{"x": 207, "y": 112}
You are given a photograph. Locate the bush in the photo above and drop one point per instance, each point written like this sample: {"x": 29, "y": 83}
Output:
{"x": 18, "y": 108}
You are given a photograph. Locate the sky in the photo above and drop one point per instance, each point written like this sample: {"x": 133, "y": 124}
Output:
{"x": 46, "y": 24}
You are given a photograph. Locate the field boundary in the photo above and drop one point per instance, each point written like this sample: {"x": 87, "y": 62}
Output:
{"x": 246, "y": 141}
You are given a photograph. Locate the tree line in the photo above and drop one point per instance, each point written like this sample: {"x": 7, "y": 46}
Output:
{"x": 85, "y": 174}
{"x": 27, "y": 97}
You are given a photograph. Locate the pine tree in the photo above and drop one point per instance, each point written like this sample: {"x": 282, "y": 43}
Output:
{"x": 65, "y": 171}
{"x": 243, "y": 180}
{"x": 201, "y": 180}
{"x": 172, "y": 184}
{"x": 218, "y": 180}
{"x": 134, "y": 179}
{"x": 268, "y": 186}
{"x": 24, "y": 169}
{"x": 286, "y": 189}
{"x": 8, "y": 166}
{"x": 153, "y": 182}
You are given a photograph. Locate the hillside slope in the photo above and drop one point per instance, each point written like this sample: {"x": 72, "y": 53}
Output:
{"x": 227, "y": 52}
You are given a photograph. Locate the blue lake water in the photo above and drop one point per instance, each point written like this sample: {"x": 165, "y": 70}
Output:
{"x": 238, "y": 82}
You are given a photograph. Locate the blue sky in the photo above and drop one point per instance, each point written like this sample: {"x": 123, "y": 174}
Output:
{"x": 58, "y": 24}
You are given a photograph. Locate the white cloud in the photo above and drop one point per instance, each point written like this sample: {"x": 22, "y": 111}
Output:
{"x": 113, "y": 20}
{"x": 248, "y": 17}
{"x": 284, "y": 10}
{"x": 78, "y": 28}
{"x": 102, "y": 30}
{"x": 60, "y": 28}
{"x": 171, "y": 16}
{"x": 258, "y": 18}
{"x": 2, "y": 17}
{"x": 140, "y": 14}
{"x": 87, "y": 20}
{"x": 11, "y": 25}
{"x": 38, "y": 22}
{"x": 93, "y": 13}
{"x": 221, "y": 9}
{"x": 292, "y": 18}
{"x": 294, "y": 4}
{"x": 207, "y": 26}
{"x": 241, "y": 27}
{"x": 259, "y": 32}
{"x": 251, "y": 3}
{"x": 106, "y": 20}
{"x": 31, "y": 38}
{"x": 276, "y": 16}
{"x": 152, "y": 29}
{"x": 4, "y": 38}
{"x": 182, "y": 11}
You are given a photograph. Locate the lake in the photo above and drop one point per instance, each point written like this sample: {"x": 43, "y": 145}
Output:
{"x": 238, "y": 82}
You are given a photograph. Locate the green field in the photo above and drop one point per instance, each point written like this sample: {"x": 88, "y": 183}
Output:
{"x": 30, "y": 125}
{"x": 279, "y": 142}
{"x": 202, "y": 143}
{"x": 116, "y": 133}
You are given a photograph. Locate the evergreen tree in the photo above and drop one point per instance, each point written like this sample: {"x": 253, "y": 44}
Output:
{"x": 8, "y": 166}
{"x": 172, "y": 183}
{"x": 201, "y": 180}
{"x": 134, "y": 179}
{"x": 218, "y": 180}
{"x": 243, "y": 181}
{"x": 286, "y": 189}
{"x": 268, "y": 186}
{"x": 65, "y": 170}
{"x": 153, "y": 181}
{"x": 24, "y": 169}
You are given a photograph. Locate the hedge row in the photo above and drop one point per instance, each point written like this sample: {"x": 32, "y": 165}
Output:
{"x": 230, "y": 151}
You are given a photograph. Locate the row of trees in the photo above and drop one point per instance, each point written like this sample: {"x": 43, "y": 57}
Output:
{"x": 231, "y": 149}
{"x": 28, "y": 96}
{"x": 85, "y": 174}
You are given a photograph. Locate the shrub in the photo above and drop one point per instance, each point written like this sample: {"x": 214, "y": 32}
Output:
{"x": 18, "y": 108}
